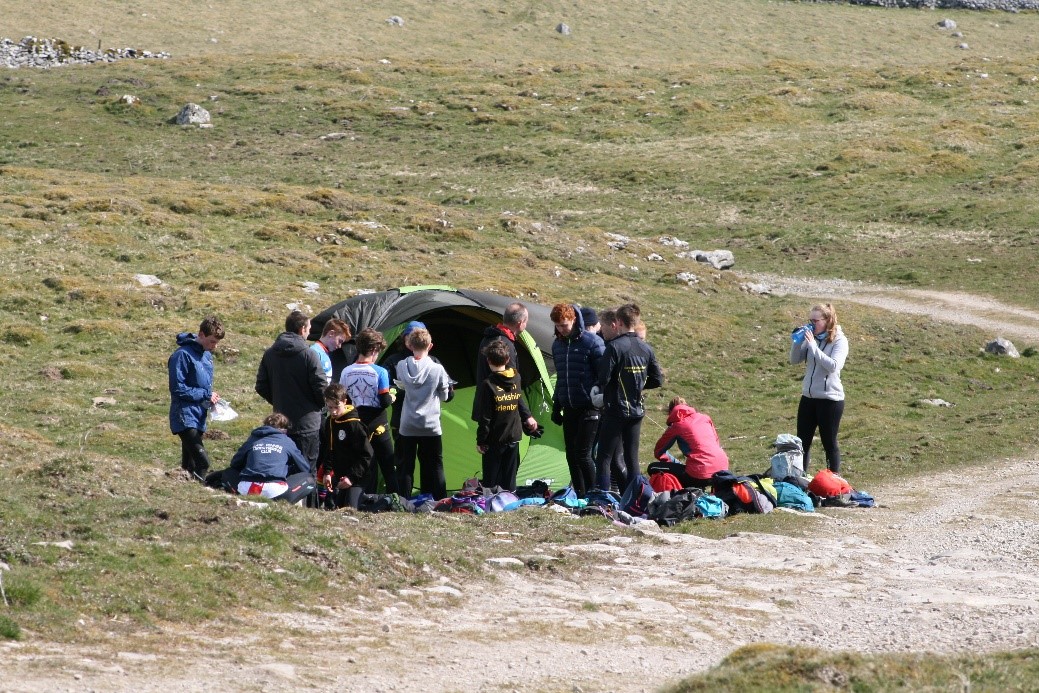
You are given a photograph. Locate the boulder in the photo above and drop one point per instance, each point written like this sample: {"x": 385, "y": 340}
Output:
{"x": 1002, "y": 347}
{"x": 718, "y": 259}
{"x": 563, "y": 29}
{"x": 193, "y": 114}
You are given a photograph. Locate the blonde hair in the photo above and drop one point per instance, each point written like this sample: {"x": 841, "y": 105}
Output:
{"x": 418, "y": 340}
{"x": 829, "y": 314}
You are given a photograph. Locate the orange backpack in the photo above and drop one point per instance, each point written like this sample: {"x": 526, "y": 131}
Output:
{"x": 826, "y": 484}
{"x": 664, "y": 481}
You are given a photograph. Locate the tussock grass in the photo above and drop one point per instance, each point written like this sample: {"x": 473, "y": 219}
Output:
{"x": 766, "y": 667}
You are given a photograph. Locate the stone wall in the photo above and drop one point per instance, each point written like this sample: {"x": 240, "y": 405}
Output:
{"x": 46, "y": 53}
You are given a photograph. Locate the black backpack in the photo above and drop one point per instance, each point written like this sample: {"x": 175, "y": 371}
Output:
{"x": 679, "y": 507}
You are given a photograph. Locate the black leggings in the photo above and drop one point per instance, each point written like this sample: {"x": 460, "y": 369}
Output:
{"x": 193, "y": 457}
{"x": 617, "y": 434}
{"x": 826, "y": 415}
{"x": 580, "y": 426}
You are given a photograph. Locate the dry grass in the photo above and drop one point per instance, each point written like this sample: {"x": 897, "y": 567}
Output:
{"x": 623, "y": 34}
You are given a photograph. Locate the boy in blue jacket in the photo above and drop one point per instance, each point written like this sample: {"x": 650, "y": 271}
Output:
{"x": 191, "y": 393}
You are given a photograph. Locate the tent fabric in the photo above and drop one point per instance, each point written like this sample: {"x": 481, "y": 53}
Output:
{"x": 456, "y": 319}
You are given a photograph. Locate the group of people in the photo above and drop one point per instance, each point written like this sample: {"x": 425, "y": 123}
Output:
{"x": 372, "y": 420}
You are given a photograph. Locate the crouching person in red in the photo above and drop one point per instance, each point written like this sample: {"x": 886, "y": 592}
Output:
{"x": 346, "y": 449}
{"x": 269, "y": 464}
{"x": 697, "y": 439}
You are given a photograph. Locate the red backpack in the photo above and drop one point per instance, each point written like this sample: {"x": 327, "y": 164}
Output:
{"x": 826, "y": 484}
{"x": 664, "y": 481}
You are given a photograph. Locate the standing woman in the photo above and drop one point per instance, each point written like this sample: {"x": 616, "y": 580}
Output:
{"x": 821, "y": 344}
{"x": 191, "y": 393}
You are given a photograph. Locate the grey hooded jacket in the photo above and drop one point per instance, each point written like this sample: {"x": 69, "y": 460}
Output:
{"x": 824, "y": 363}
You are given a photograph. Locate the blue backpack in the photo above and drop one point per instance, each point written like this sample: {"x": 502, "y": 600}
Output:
{"x": 711, "y": 506}
{"x": 637, "y": 496}
{"x": 791, "y": 496}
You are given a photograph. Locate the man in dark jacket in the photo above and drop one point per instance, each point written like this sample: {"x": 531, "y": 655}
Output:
{"x": 291, "y": 379}
{"x": 628, "y": 367}
{"x": 576, "y": 353}
{"x": 514, "y": 321}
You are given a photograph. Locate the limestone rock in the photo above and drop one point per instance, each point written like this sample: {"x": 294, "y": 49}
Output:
{"x": 193, "y": 114}
{"x": 1002, "y": 347}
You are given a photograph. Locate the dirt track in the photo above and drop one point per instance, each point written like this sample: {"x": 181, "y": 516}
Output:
{"x": 944, "y": 566}
{"x": 1001, "y": 319}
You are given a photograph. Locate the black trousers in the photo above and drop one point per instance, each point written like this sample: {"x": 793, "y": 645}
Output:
{"x": 382, "y": 446}
{"x": 678, "y": 469}
{"x": 193, "y": 456}
{"x": 824, "y": 414}
{"x": 500, "y": 464}
{"x": 430, "y": 453}
{"x": 580, "y": 426}
{"x": 617, "y": 434}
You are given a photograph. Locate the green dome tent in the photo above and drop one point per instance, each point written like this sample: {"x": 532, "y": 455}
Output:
{"x": 456, "y": 319}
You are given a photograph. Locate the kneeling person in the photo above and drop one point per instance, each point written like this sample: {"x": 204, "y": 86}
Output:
{"x": 268, "y": 460}
{"x": 346, "y": 449}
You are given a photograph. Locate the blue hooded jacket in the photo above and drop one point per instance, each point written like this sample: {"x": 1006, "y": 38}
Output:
{"x": 191, "y": 384}
{"x": 576, "y": 358}
{"x": 268, "y": 455}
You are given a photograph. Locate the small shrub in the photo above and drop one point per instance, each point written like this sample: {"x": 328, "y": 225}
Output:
{"x": 22, "y": 593}
{"x": 9, "y": 629}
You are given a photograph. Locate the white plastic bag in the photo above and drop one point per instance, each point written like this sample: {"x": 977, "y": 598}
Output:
{"x": 222, "y": 411}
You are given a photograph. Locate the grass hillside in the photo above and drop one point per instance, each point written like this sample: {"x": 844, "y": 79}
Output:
{"x": 477, "y": 147}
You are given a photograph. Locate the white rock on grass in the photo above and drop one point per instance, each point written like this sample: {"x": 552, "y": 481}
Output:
{"x": 563, "y": 29}
{"x": 935, "y": 402}
{"x": 1002, "y": 347}
{"x": 760, "y": 289}
{"x": 193, "y": 114}
{"x": 147, "y": 279}
{"x": 718, "y": 259}
{"x": 395, "y": 21}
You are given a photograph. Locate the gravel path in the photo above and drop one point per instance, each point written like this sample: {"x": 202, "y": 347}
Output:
{"x": 958, "y": 308}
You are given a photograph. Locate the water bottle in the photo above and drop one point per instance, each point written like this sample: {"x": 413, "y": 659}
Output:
{"x": 798, "y": 335}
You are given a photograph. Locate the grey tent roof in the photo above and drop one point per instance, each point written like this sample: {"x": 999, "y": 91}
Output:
{"x": 456, "y": 318}
{"x": 385, "y": 309}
